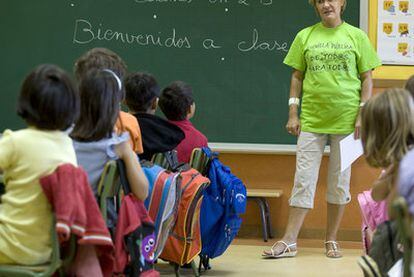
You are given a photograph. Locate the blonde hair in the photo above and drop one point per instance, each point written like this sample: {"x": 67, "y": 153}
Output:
{"x": 387, "y": 127}
{"x": 313, "y": 3}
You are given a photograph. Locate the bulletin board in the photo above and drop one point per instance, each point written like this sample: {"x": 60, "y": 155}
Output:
{"x": 391, "y": 30}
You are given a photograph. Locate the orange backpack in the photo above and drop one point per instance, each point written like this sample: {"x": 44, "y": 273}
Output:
{"x": 184, "y": 242}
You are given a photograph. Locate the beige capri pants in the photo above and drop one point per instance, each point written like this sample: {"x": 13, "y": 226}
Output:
{"x": 310, "y": 149}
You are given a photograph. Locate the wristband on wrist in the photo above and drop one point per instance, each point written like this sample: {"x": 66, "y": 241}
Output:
{"x": 294, "y": 101}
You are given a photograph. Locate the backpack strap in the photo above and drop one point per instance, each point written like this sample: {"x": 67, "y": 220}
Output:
{"x": 193, "y": 176}
{"x": 122, "y": 176}
{"x": 390, "y": 239}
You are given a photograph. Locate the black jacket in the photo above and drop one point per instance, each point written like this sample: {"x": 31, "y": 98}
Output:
{"x": 158, "y": 135}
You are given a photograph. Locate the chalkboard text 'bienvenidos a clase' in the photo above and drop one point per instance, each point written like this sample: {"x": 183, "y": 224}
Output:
{"x": 241, "y": 2}
{"x": 85, "y": 33}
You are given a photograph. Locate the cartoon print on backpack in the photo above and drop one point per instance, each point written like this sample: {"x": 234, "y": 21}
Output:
{"x": 141, "y": 247}
{"x": 147, "y": 248}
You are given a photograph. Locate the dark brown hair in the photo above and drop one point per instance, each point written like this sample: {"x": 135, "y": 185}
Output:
{"x": 100, "y": 97}
{"x": 48, "y": 99}
{"x": 141, "y": 90}
{"x": 176, "y": 100}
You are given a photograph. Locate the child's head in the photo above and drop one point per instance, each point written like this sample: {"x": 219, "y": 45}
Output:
{"x": 177, "y": 102}
{"x": 100, "y": 94}
{"x": 387, "y": 127}
{"x": 410, "y": 85}
{"x": 99, "y": 58}
{"x": 48, "y": 99}
{"x": 142, "y": 92}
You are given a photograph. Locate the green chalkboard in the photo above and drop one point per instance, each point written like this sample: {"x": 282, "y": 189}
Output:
{"x": 229, "y": 51}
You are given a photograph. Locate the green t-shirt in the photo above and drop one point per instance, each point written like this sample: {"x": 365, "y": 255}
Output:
{"x": 332, "y": 60}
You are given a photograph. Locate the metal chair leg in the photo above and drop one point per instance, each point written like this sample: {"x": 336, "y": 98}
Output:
{"x": 269, "y": 222}
{"x": 194, "y": 268}
{"x": 177, "y": 270}
{"x": 259, "y": 202}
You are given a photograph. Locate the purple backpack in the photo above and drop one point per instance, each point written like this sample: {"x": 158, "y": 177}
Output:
{"x": 373, "y": 213}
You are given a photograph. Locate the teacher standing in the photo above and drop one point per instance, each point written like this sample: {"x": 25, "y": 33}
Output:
{"x": 332, "y": 65}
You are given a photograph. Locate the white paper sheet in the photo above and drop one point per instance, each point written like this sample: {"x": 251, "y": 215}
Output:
{"x": 351, "y": 150}
{"x": 397, "y": 269}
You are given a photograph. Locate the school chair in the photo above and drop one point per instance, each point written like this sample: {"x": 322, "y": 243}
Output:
{"x": 194, "y": 268}
{"x": 167, "y": 160}
{"x": 109, "y": 194}
{"x": 161, "y": 160}
{"x": 403, "y": 217}
{"x": 43, "y": 270}
{"x": 199, "y": 161}
{"x": 68, "y": 254}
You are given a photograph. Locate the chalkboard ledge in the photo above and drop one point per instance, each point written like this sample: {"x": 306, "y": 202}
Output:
{"x": 389, "y": 83}
{"x": 256, "y": 148}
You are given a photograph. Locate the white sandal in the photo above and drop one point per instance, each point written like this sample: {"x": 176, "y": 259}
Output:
{"x": 335, "y": 251}
{"x": 287, "y": 251}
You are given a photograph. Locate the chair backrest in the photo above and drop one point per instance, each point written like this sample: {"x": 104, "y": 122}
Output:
{"x": 403, "y": 217}
{"x": 109, "y": 188}
{"x": 55, "y": 261}
{"x": 161, "y": 160}
{"x": 199, "y": 161}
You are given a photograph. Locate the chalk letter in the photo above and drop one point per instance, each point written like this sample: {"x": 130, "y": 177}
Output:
{"x": 209, "y": 44}
{"x": 88, "y": 29}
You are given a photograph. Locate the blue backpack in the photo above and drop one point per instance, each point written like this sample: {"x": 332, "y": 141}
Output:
{"x": 224, "y": 200}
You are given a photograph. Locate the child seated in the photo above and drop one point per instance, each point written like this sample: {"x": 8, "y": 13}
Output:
{"x": 158, "y": 135}
{"x": 406, "y": 172}
{"x": 49, "y": 104}
{"x": 94, "y": 139}
{"x": 387, "y": 133}
{"x": 102, "y": 58}
{"x": 177, "y": 103}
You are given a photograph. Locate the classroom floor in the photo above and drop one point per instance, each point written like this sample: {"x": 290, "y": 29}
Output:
{"x": 243, "y": 259}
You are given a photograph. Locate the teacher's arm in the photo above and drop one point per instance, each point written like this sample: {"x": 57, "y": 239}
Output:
{"x": 366, "y": 92}
{"x": 293, "y": 124}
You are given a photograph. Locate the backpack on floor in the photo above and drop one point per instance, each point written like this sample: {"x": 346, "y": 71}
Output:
{"x": 184, "y": 242}
{"x": 373, "y": 213}
{"x": 162, "y": 201}
{"x": 224, "y": 200}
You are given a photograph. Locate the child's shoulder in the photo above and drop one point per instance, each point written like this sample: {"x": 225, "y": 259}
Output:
{"x": 18, "y": 134}
{"x": 127, "y": 118}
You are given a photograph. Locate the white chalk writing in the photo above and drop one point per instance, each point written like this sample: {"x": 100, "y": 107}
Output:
{"x": 85, "y": 33}
{"x": 256, "y": 44}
